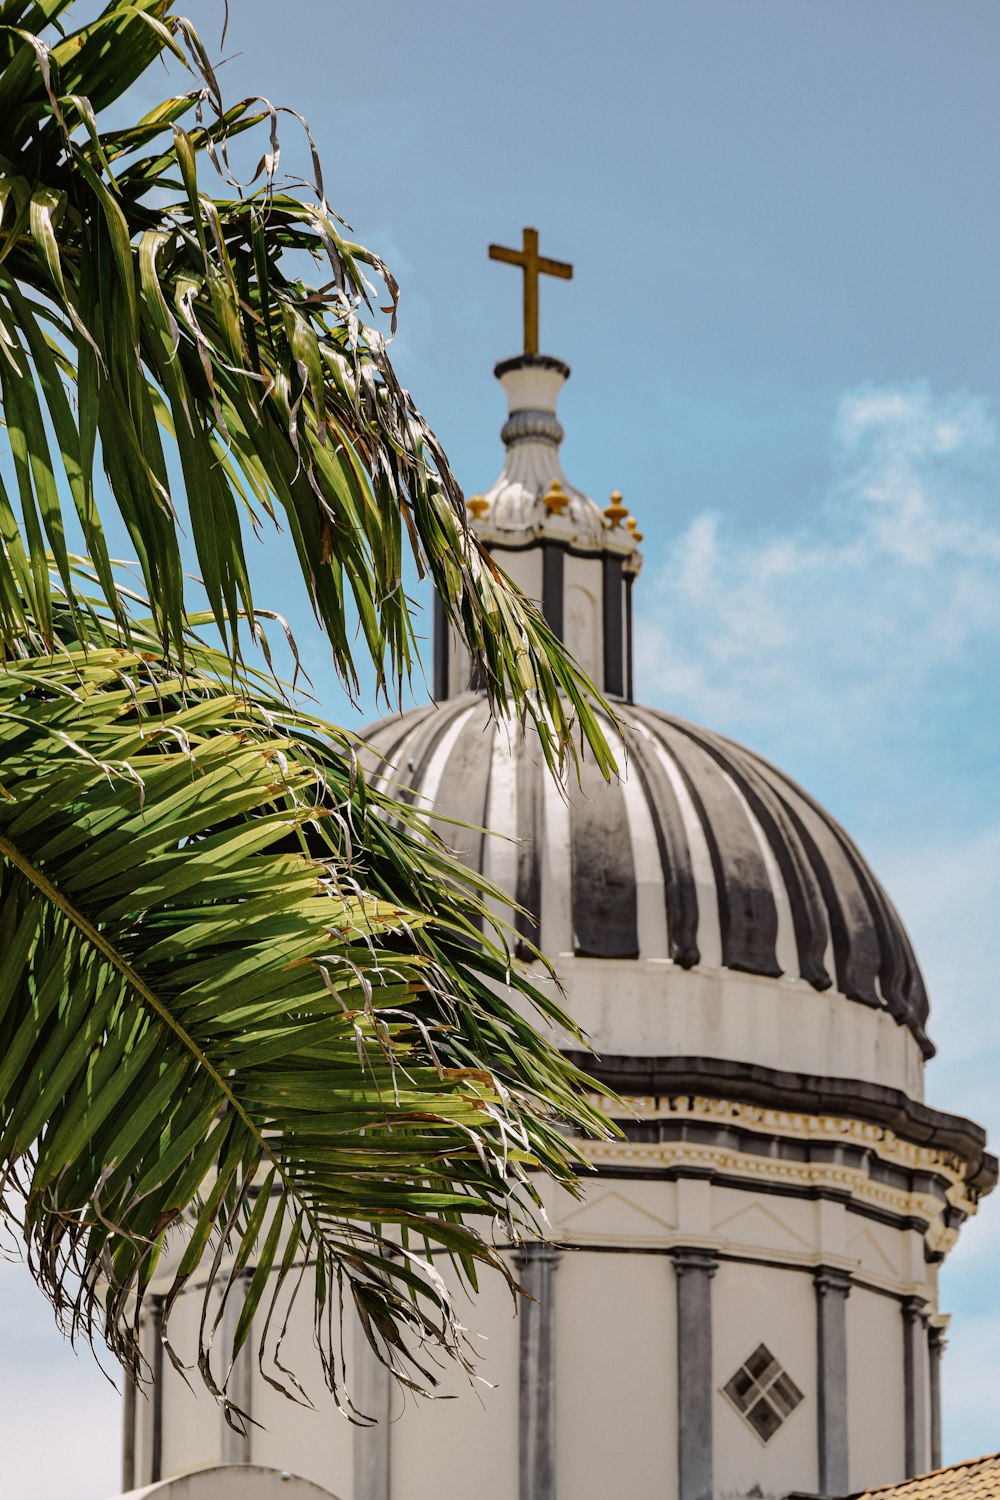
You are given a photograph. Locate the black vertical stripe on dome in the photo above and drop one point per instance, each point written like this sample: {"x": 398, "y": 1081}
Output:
{"x": 805, "y": 899}
{"x": 855, "y": 941}
{"x": 899, "y": 977}
{"x": 748, "y": 916}
{"x": 614, "y": 678}
{"x": 680, "y": 892}
{"x": 605, "y": 915}
{"x": 900, "y": 982}
{"x": 553, "y": 576}
{"x": 528, "y": 883}
{"x": 465, "y": 779}
{"x": 442, "y": 645}
{"x": 892, "y": 967}
{"x": 913, "y": 988}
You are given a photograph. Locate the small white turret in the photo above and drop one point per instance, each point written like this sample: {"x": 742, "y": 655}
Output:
{"x": 577, "y": 561}
{"x": 532, "y": 435}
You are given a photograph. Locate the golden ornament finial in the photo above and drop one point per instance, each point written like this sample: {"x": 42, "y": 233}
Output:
{"x": 477, "y": 507}
{"x": 616, "y": 511}
{"x": 632, "y": 525}
{"x": 555, "y": 501}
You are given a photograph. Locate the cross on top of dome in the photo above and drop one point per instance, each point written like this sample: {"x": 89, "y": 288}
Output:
{"x": 533, "y": 265}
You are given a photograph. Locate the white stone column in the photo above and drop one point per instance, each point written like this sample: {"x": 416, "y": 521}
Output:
{"x": 936, "y": 1344}
{"x": 694, "y": 1270}
{"x": 536, "y": 1265}
{"x": 235, "y": 1446}
{"x": 914, "y": 1310}
{"x": 832, "y": 1290}
{"x": 148, "y": 1427}
{"x": 372, "y": 1395}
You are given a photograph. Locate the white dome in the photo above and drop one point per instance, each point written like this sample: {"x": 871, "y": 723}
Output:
{"x": 703, "y": 852}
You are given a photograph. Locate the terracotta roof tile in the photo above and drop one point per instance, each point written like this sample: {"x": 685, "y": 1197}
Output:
{"x": 974, "y": 1479}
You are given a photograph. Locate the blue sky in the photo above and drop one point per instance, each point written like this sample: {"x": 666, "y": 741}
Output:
{"x": 784, "y": 329}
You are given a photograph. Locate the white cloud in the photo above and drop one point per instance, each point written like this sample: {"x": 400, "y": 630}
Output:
{"x": 876, "y": 596}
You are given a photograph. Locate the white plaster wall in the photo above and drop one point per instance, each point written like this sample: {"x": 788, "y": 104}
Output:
{"x": 315, "y": 1442}
{"x": 794, "y": 1228}
{"x": 616, "y": 1358}
{"x": 616, "y": 1377}
{"x": 640, "y": 1212}
{"x": 774, "y": 1226}
{"x": 433, "y": 1444}
{"x": 583, "y": 587}
{"x": 453, "y": 1449}
{"x": 459, "y": 665}
{"x": 654, "y": 1008}
{"x": 754, "y": 1305}
{"x": 524, "y": 565}
{"x": 876, "y": 1420}
{"x": 886, "y": 1255}
{"x": 190, "y": 1420}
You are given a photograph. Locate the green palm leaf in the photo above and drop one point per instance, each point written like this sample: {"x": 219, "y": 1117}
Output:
{"x": 209, "y": 975}
{"x": 180, "y": 320}
{"x": 242, "y": 996}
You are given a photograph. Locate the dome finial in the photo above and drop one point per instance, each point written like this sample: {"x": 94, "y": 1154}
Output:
{"x": 477, "y": 507}
{"x": 533, "y": 265}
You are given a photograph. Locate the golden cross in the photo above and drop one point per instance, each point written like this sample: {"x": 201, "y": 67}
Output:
{"x": 533, "y": 265}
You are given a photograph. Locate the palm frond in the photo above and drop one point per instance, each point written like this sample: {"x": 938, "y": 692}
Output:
{"x": 180, "y": 321}
{"x": 239, "y": 990}
{"x": 217, "y": 1007}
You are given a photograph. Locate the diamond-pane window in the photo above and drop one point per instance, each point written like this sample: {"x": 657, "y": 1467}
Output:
{"x": 763, "y": 1393}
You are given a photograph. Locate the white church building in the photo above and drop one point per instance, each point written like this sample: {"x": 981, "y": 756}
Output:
{"x": 746, "y": 1301}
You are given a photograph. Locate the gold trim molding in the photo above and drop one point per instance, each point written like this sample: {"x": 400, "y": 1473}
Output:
{"x": 805, "y": 1176}
{"x": 799, "y": 1125}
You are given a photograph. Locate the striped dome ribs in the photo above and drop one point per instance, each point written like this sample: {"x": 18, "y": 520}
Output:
{"x": 703, "y": 853}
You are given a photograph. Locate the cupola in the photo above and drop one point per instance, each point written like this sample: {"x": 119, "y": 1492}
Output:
{"x": 577, "y": 560}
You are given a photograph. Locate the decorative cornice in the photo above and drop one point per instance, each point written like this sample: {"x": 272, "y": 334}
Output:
{"x": 936, "y": 1337}
{"x": 916, "y": 1309}
{"x": 828, "y": 1129}
{"x": 665, "y": 1078}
